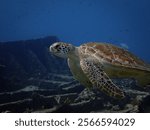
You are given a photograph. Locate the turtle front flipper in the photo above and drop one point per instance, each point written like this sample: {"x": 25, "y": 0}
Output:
{"x": 99, "y": 79}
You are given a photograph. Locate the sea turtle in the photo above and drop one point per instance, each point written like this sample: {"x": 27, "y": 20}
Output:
{"x": 95, "y": 64}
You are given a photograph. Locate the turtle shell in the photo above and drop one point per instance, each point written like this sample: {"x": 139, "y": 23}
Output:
{"x": 113, "y": 55}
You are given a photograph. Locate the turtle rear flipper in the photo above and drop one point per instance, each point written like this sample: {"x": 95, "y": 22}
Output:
{"x": 144, "y": 80}
{"x": 99, "y": 79}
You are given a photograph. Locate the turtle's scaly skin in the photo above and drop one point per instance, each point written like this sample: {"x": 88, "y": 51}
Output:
{"x": 93, "y": 64}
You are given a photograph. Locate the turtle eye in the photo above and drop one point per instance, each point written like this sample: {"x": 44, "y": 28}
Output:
{"x": 56, "y": 47}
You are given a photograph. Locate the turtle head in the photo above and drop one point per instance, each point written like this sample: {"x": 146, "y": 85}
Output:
{"x": 61, "y": 49}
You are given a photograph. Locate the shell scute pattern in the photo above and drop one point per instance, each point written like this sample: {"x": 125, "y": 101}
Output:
{"x": 114, "y": 55}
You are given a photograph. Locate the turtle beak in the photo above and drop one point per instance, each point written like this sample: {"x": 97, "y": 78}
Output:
{"x": 51, "y": 49}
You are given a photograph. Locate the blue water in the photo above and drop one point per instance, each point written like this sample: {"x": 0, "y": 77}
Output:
{"x": 122, "y": 22}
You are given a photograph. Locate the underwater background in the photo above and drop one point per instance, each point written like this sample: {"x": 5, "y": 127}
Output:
{"x": 32, "y": 80}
